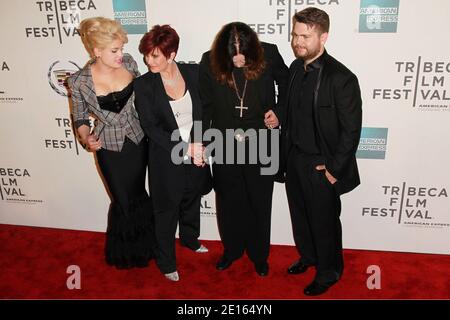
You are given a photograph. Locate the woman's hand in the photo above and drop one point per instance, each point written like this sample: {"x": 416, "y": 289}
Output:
{"x": 92, "y": 143}
{"x": 195, "y": 151}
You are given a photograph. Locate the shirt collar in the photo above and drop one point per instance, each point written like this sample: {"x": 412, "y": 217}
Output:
{"x": 316, "y": 64}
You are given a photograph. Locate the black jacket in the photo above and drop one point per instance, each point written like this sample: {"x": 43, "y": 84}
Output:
{"x": 166, "y": 179}
{"x": 338, "y": 119}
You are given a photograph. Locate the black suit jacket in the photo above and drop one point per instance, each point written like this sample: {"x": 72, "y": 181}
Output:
{"x": 166, "y": 179}
{"x": 217, "y": 99}
{"x": 338, "y": 119}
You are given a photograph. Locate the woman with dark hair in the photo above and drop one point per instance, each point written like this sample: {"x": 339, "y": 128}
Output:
{"x": 167, "y": 100}
{"x": 237, "y": 87}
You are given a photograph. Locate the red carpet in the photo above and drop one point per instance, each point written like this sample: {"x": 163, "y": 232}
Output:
{"x": 34, "y": 262}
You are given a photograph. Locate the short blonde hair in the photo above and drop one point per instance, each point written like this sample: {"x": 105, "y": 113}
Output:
{"x": 98, "y": 32}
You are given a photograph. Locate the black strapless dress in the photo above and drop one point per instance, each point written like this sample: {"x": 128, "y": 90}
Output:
{"x": 130, "y": 236}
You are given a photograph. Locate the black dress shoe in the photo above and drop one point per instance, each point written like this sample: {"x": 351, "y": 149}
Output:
{"x": 262, "y": 269}
{"x": 223, "y": 263}
{"x": 297, "y": 268}
{"x": 316, "y": 288}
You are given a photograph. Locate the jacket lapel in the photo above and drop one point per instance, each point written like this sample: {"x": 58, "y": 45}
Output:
{"x": 191, "y": 85}
{"x": 87, "y": 86}
{"x": 191, "y": 80}
{"x": 295, "y": 70}
{"x": 162, "y": 101}
{"x": 319, "y": 89}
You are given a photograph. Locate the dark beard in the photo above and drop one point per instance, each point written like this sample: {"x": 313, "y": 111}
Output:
{"x": 309, "y": 55}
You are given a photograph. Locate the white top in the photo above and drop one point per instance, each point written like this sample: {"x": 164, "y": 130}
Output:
{"x": 182, "y": 110}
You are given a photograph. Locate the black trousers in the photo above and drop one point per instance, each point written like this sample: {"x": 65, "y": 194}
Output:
{"x": 315, "y": 209}
{"x": 185, "y": 214}
{"x": 244, "y": 205}
{"x": 130, "y": 235}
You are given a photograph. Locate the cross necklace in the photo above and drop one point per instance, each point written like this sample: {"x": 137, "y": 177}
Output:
{"x": 241, "y": 99}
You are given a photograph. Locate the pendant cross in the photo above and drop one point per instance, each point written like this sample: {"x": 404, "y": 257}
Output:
{"x": 241, "y": 107}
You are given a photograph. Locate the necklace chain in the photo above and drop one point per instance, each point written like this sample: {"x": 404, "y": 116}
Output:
{"x": 241, "y": 99}
{"x": 171, "y": 82}
{"x": 236, "y": 88}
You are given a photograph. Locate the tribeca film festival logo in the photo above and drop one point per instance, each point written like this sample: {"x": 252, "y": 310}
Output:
{"x": 410, "y": 206}
{"x": 282, "y": 11}
{"x": 67, "y": 141}
{"x": 61, "y": 18}
{"x": 10, "y": 187}
{"x": 4, "y": 98}
{"x": 422, "y": 82}
{"x": 132, "y": 15}
{"x": 372, "y": 144}
{"x": 378, "y": 16}
{"x": 57, "y": 75}
{"x": 64, "y": 142}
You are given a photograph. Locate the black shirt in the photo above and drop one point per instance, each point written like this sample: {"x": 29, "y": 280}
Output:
{"x": 253, "y": 116}
{"x": 301, "y": 104}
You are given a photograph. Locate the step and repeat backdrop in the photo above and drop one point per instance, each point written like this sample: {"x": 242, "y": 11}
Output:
{"x": 399, "y": 49}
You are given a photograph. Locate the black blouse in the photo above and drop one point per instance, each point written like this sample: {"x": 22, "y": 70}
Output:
{"x": 115, "y": 101}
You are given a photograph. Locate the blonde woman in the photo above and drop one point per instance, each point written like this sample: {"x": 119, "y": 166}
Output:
{"x": 104, "y": 90}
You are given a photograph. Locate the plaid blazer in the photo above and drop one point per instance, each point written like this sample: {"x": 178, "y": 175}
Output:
{"x": 111, "y": 127}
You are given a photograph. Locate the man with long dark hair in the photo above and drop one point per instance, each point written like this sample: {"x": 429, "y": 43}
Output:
{"x": 237, "y": 87}
{"x": 321, "y": 130}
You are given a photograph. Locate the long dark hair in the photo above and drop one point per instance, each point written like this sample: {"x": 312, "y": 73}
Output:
{"x": 223, "y": 50}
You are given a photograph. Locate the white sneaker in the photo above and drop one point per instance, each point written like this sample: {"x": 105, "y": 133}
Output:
{"x": 173, "y": 276}
{"x": 202, "y": 249}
